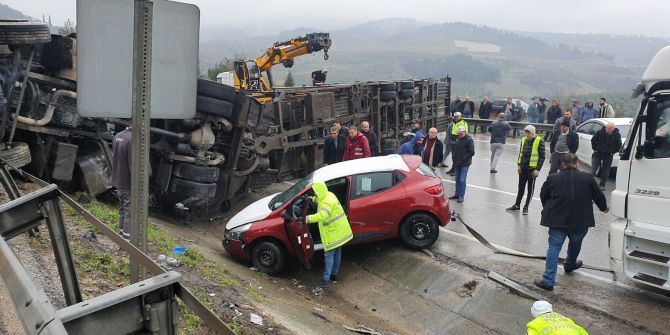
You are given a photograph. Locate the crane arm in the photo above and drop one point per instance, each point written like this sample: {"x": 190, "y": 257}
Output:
{"x": 285, "y": 52}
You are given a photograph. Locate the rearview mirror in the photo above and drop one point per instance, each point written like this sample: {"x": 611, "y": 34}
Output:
{"x": 649, "y": 149}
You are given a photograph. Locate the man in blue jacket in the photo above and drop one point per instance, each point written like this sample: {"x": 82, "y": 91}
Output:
{"x": 408, "y": 147}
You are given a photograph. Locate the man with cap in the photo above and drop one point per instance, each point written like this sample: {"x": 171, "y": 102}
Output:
{"x": 464, "y": 149}
{"x": 499, "y": 130}
{"x": 529, "y": 163}
{"x": 452, "y": 135}
{"x": 567, "y": 200}
{"x": 548, "y": 322}
{"x": 319, "y": 77}
{"x": 564, "y": 142}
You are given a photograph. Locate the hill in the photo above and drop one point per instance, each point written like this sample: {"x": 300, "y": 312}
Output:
{"x": 7, "y": 12}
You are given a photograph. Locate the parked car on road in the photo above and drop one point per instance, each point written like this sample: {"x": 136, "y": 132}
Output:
{"x": 589, "y": 128}
{"x": 384, "y": 197}
{"x": 498, "y": 105}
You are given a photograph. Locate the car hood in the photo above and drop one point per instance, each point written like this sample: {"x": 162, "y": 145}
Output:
{"x": 256, "y": 211}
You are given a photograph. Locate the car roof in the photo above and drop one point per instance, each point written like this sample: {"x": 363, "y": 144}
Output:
{"x": 617, "y": 121}
{"x": 358, "y": 166}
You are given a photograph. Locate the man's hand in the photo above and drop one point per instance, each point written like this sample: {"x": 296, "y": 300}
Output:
{"x": 606, "y": 210}
{"x": 536, "y": 173}
{"x": 405, "y": 134}
{"x": 518, "y": 169}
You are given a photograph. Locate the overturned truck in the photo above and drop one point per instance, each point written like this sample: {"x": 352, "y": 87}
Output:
{"x": 236, "y": 141}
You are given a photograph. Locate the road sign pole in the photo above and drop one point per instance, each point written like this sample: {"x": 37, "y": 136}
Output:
{"x": 141, "y": 117}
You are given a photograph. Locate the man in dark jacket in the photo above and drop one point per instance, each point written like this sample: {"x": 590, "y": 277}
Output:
{"x": 432, "y": 152}
{"x": 605, "y": 143}
{"x": 356, "y": 146}
{"x": 536, "y": 112}
{"x": 568, "y": 212}
{"x": 499, "y": 130}
{"x": 554, "y": 112}
{"x": 567, "y": 115}
{"x": 485, "y": 109}
{"x": 464, "y": 149}
{"x": 467, "y": 108}
{"x": 319, "y": 77}
{"x": 342, "y": 132}
{"x": 455, "y": 105}
{"x": 333, "y": 150}
{"x": 371, "y": 136}
{"x": 121, "y": 154}
{"x": 529, "y": 164}
{"x": 563, "y": 142}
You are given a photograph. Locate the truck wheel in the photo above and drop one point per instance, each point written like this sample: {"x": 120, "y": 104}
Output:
{"x": 216, "y": 90}
{"x": 387, "y": 95}
{"x": 404, "y": 94}
{"x": 407, "y": 85}
{"x": 268, "y": 257}
{"x": 387, "y": 87}
{"x": 186, "y": 189}
{"x": 17, "y": 156}
{"x": 214, "y": 106}
{"x": 206, "y": 174}
{"x": 419, "y": 231}
{"x": 13, "y": 32}
{"x": 389, "y": 147}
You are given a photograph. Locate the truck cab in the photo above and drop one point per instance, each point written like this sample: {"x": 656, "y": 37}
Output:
{"x": 639, "y": 238}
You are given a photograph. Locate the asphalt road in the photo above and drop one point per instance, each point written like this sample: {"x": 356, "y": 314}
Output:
{"x": 487, "y": 195}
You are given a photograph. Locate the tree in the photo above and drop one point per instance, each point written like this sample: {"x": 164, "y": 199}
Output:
{"x": 68, "y": 28}
{"x": 289, "y": 82}
{"x": 222, "y": 66}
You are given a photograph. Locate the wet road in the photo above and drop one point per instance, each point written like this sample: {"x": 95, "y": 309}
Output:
{"x": 487, "y": 195}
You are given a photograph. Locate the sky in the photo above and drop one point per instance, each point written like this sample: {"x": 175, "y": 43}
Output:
{"x": 624, "y": 17}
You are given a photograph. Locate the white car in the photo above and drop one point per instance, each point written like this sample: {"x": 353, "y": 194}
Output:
{"x": 588, "y": 128}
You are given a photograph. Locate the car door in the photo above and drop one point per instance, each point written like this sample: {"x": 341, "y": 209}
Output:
{"x": 297, "y": 230}
{"x": 376, "y": 205}
{"x": 584, "y": 132}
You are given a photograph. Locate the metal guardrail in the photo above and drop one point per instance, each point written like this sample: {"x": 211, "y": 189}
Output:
{"x": 541, "y": 128}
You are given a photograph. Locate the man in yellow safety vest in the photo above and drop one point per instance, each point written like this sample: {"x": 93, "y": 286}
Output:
{"x": 548, "y": 322}
{"x": 529, "y": 163}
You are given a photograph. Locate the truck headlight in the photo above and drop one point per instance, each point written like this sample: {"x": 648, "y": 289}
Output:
{"x": 237, "y": 233}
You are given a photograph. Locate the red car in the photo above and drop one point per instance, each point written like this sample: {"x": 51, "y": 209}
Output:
{"x": 384, "y": 197}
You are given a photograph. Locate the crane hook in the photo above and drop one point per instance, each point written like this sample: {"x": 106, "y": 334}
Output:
{"x": 325, "y": 54}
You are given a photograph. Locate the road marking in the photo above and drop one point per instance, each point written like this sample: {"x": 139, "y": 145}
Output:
{"x": 487, "y": 189}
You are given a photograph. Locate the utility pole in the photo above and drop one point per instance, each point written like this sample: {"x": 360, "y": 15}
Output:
{"x": 141, "y": 117}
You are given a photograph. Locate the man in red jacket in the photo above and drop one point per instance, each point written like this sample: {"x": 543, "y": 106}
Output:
{"x": 356, "y": 145}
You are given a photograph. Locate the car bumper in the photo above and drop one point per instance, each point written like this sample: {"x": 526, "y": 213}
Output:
{"x": 236, "y": 249}
{"x": 443, "y": 213}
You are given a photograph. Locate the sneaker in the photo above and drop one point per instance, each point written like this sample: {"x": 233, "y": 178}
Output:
{"x": 513, "y": 208}
{"x": 524, "y": 211}
{"x": 453, "y": 197}
{"x": 334, "y": 278}
{"x": 323, "y": 284}
{"x": 493, "y": 171}
{"x": 578, "y": 264}
{"x": 539, "y": 283}
{"x": 460, "y": 200}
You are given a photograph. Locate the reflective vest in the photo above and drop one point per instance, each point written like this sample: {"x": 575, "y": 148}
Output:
{"x": 534, "y": 153}
{"x": 454, "y": 127}
{"x": 554, "y": 324}
{"x": 333, "y": 223}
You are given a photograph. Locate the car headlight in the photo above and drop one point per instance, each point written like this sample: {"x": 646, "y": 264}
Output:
{"x": 237, "y": 233}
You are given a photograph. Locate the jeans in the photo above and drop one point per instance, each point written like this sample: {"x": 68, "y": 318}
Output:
{"x": 556, "y": 238}
{"x": 332, "y": 259}
{"x": 603, "y": 161}
{"x": 124, "y": 212}
{"x": 461, "y": 177}
{"x": 556, "y": 160}
{"x": 525, "y": 178}
{"x": 496, "y": 153}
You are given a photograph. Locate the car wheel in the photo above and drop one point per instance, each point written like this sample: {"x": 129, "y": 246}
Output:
{"x": 389, "y": 147}
{"x": 268, "y": 257}
{"x": 388, "y": 95}
{"x": 419, "y": 230}
{"x": 206, "y": 174}
{"x": 218, "y": 107}
{"x": 17, "y": 156}
{"x": 13, "y": 32}
{"x": 216, "y": 90}
{"x": 185, "y": 188}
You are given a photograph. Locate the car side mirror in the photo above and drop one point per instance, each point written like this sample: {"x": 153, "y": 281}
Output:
{"x": 649, "y": 149}
{"x": 286, "y": 215}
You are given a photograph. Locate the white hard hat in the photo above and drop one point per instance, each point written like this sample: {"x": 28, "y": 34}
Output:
{"x": 540, "y": 307}
{"x": 324, "y": 70}
{"x": 457, "y": 114}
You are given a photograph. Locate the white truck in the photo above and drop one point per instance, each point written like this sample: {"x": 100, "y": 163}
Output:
{"x": 639, "y": 238}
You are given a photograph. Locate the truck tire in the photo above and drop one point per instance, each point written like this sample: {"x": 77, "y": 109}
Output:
{"x": 216, "y": 90}
{"x": 185, "y": 188}
{"x": 199, "y": 173}
{"x": 17, "y": 156}
{"x": 404, "y": 94}
{"x": 387, "y": 95}
{"x": 419, "y": 230}
{"x": 214, "y": 106}
{"x": 406, "y": 85}
{"x": 389, "y": 147}
{"x": 14, "y": 32}
{"x": 387, "y": 87}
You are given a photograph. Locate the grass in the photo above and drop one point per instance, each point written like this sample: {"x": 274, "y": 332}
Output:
{"x": 90, "y": 261}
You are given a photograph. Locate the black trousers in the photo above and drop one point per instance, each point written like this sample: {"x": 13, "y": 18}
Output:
{"x": 526, "y": 179}
{"x": 601, "y": 163}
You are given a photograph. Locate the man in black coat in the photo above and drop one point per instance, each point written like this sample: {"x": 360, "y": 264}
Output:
{"x": 467, "y": 108}
{"x": 485, "y": 109}
{"x": 464, "y": 149}
{"x": 605, "y": 143}
{"x": 567, "y": 199}
{"x": 371, "y": 136}
{"x": 333, "y": 149}
{"x": 563, "y": 142}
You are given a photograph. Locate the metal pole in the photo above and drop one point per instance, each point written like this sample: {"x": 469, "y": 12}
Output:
{"x": 139, "y": 193}
{"x": 23, "y": 91}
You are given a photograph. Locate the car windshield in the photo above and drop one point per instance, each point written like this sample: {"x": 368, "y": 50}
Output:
{"x": 289, "y": 194}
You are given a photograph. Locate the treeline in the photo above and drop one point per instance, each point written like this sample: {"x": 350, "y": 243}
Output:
{"x": 460, "y": 66}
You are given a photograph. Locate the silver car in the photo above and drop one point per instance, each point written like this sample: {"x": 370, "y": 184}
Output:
{"x": 588, "y": 128}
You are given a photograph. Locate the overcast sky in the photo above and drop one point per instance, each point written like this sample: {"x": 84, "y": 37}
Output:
{"x": 640, "y": 17}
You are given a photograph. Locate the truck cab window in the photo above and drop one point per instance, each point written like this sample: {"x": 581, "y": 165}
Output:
{"x": 662, "y": 135}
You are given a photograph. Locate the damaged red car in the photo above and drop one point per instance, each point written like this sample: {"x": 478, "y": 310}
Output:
{"x": 384, "y": 198}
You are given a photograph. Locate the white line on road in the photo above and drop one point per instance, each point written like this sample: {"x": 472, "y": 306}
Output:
{"x": 487, "y": 189}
